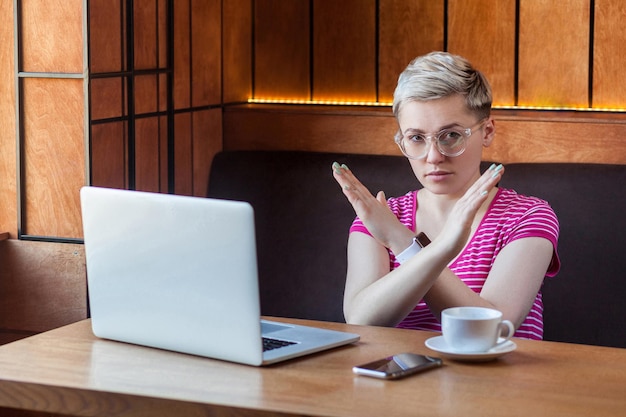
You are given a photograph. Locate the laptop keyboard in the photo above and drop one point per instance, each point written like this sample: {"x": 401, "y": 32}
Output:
{"x": 271, "y": 344}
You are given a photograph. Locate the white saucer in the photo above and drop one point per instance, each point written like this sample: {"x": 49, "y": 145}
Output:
{"x": 438, "y": 344}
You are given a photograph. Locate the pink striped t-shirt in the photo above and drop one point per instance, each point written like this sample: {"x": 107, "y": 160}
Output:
{"x": 510, "y": 216}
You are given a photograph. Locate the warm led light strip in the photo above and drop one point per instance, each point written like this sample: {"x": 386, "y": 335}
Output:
{"x": 583, "y": 109}
{"x": 389, "y": 104}
{"x": 320, "y": 102}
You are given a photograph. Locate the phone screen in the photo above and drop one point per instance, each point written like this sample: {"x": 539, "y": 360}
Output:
{"x": 397, "y": 366}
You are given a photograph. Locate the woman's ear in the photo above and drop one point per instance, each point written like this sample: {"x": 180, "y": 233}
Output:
{"x": 489, "y": 132}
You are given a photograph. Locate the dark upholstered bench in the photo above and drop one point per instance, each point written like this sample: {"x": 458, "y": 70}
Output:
{"x": 302, "y": 221}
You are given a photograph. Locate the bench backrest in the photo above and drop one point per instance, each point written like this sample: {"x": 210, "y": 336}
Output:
{"x": 586, "y": 301}
{"x": 302, "y": 221}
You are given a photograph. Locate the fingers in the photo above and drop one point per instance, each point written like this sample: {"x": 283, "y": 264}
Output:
{"x": 492, "y": 176}
{"x": 338, "y": 173}
{"x": 373, "y": 211}
{"x": 487, "y": 181}
{"x": 380, "y": 196}
{"x": 494, "y": 172}
{"x": 478, "y": 193}
{"x": 354, "y": 190}
{"x": 351, "y": 186}
{"x": 345, "y": 178}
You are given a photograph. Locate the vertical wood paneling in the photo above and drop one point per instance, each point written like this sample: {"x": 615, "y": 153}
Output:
{"x": 554, "y": 53}
{"x": 483, "y": 31}
{"x": 207, "y": 141}
{"x": 282, "y": 49}
{"x": 51, "y": 36}
{"x": 344, "y": 50}
{"x": 553, "y": 71}
{"x": 146, "y": 94}
{"x": 163, "y": 92}
{"x": 108, "y": 147}
{"x": 146, "y": 35}
{"x": 198, "y": 139}
{"x": 407, "y": 29}
{"x": 197, "y": 84}
{"x": 147, "y": 161}
{"x": 609, "y": 55}
{"x": 106, "y": 35}
{"x": 164, "y": 155}
{"x": 182, "y": 55}
{"x": 8, "y": 213}
{"x": 206, "y": 74}
{"x": 237, "y": 50}
{"x": 183, "y": 152}
{"x": 162, "y": 21}
{"x": 54, "y": 156}
{"x": 106, "y": 98}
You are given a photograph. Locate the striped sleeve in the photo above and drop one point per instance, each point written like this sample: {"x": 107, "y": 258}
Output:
{"x": 531, "y": 217}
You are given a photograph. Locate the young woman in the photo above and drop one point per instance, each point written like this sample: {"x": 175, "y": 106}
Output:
{"x": 488, "y": 246}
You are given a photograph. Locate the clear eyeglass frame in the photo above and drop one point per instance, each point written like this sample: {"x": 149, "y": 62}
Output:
{"x": 454, "y": 149}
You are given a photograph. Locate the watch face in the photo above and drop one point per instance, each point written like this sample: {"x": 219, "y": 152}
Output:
{"x": 422, "y": 239}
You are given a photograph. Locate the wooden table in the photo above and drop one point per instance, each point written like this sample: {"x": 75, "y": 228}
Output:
{"x": 70, "y": 371}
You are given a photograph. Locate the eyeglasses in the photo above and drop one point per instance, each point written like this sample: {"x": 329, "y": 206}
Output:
{"x": 450, "y": 142}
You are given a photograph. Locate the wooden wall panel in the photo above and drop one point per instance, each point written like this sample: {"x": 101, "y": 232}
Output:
{"x": 162, "y": 34}
{"x": 51, "y": 36}
{"x": 206, "y": 74}
{"x": 344, "y": 50}
{"x": 42, "y": 286}
{"x": 183, "y": 154}
{"x": 407, "y": 29}
{"x": 148, "y": 155}
{"x": 8, "y": 213}
{"x": 164, "y": 154}
{"x": 315, "y": 128}
{"x": 182, "y": 55}
{"x": 108, "y": 147}
{"x": 198, "y": 138}
{"x": 146, "y": 14}
{"x": 554, "y": 53}
{"x": 107, "y": 98}
{"x": 483, "y": 31}
{"x": 54, "y": 156}
{"x": 609, "y": 55}
{"x": 146, "y": 93}
{"x": 520, "y": 137}
{"x": 106, "y": 36}
{"x": 282, "y": 49}
{"x": 207, "y": 141}
{"x": 163, "y": 91}
{"x": 237, "y": 50}
{"x": 537, "y": 138}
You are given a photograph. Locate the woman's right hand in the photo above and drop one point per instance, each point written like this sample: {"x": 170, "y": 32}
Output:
{"x": 458, "y": 226}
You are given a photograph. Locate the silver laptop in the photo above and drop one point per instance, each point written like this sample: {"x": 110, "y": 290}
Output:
{"x": 180, "y": 273}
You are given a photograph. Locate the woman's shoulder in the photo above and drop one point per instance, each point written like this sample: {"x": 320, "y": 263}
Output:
{"x": 515, "y": 207}
{"x": 513, "y": 200}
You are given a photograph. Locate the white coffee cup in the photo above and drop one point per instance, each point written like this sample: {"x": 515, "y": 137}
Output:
{"x": 474, "y": 329}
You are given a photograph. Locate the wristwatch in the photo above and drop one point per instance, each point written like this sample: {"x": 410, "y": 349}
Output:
{"x": 420, "y": 241}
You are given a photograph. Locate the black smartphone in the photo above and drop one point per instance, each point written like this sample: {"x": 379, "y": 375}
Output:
{"x": 397, "y": 366}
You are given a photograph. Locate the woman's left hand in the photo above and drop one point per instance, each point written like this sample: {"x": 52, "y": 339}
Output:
{"x": 373, "y": 211}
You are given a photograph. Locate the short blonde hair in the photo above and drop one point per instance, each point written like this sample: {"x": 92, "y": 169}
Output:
{"x": 440, "y": 74}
